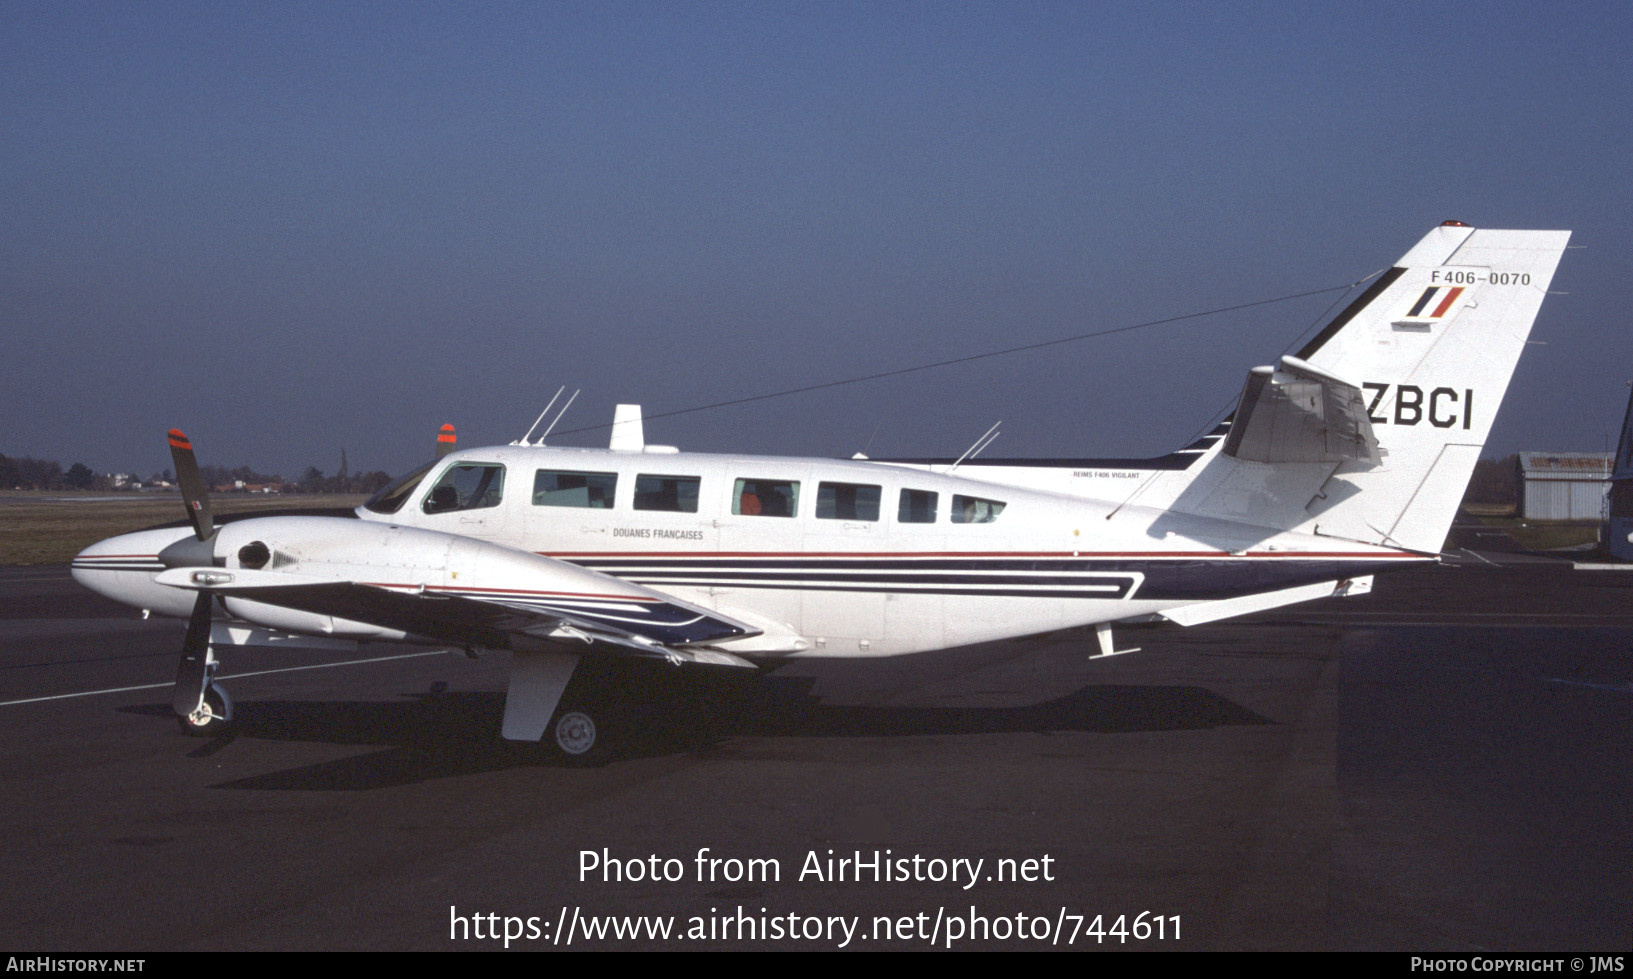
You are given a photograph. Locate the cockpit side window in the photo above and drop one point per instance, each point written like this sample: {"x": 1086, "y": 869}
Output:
{"x": 395, "y": 494}
{"x": 973, "y": 509}
{"x": 468, "y": 486}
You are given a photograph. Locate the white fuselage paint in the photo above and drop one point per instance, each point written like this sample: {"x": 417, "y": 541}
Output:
{"x": 849, "y": 587}
{"x": 805, "y": 584}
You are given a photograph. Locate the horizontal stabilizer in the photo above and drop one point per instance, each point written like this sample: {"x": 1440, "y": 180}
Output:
{"x": 1295, "y": 412}
{"x": 1201, "y": 612}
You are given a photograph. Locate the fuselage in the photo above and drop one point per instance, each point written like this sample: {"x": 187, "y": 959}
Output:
{"x": 818, "y": 556}
{"x": 848, "y": 557}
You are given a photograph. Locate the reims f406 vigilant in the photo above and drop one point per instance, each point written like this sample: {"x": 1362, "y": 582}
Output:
{"x": 566, "y": 556}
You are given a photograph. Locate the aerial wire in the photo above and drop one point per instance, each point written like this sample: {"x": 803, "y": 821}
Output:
{"x": 1345, "y": 288}
{"x": 1224, "y": 410}
{"x": 1324, "y": 317}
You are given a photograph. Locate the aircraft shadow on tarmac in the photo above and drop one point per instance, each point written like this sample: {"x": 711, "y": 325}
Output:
{"x": 445, "y": 734}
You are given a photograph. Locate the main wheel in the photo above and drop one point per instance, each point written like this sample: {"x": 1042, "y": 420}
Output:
{"x": 575, "y": 733}
{"x": 578, "y": 736}
{"x": 212, "y": 716}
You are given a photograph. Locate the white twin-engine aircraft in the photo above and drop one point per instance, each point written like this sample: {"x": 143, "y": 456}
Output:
{"x": 1345, "y": 460}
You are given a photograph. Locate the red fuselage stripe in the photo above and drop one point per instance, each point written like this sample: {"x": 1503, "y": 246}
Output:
{"x": 1054, "y": 555}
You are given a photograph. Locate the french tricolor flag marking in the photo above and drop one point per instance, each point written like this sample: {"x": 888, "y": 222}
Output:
{"x": 1446, "y": 297}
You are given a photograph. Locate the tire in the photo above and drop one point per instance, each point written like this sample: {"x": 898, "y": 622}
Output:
{"x": 579, "y": 736}
{"x": 208, "y": 725}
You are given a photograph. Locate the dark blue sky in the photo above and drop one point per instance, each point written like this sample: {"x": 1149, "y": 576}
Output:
{"x": 291, "y": 228}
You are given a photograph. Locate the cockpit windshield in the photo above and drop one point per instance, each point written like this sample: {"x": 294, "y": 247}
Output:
{"x": 392, "y": 498}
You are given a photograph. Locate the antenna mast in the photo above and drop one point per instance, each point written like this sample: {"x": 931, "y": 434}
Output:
{"x": 541, "y": 417}
{"x": 557, "y": 420}
{"x": 980, "y": 443}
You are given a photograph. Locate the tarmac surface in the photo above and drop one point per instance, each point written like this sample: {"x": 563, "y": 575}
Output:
{"x": 1440, "y": 766}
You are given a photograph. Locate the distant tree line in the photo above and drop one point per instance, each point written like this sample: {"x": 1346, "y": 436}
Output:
{"x": 37, "y": 473}
{"x": 48, "y": 474}
{"x": 313, "y": 481}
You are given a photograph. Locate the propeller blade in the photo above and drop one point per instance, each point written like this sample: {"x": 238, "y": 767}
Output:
{"x": 193, "y": 494}
{"x": 445, "y": 441}
{"x": 193, "y": 673}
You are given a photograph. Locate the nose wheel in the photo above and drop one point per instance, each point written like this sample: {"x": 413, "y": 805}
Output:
{"x": 212, "y": 715}
{"x": 202, "y": 707}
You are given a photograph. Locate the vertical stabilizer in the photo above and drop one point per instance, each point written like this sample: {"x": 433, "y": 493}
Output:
{"x": 1429, "y": 349}
{"x": 1624, "y": 446}
{"x": 1433, "y": 354}
{"x": 1616, "y": 535}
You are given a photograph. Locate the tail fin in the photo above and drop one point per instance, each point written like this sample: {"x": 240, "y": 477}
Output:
{"x": 1616, "y": 531}
{"x": 1393, "y": 399}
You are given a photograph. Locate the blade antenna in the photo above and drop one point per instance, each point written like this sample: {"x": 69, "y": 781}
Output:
{"x": 557, "y": 420}
{"x": 536, "y": 421}
{"x": 980, "y": 443}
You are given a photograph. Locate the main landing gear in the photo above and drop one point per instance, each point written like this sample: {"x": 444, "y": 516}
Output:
{"x": 577, "y": 738}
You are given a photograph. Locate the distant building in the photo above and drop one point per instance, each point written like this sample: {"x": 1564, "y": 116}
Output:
{"x": 1564, "y": 485}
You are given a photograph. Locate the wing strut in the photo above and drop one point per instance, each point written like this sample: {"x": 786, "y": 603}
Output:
{"x": 537, "y": 681}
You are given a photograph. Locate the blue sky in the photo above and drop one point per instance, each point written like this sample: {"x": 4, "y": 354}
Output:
{"x": 294, "y": 228}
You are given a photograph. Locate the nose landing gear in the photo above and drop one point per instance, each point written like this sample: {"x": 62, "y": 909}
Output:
{"x": 202, "y": 707}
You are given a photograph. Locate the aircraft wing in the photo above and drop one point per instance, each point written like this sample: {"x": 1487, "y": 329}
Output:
{"x": 1295, "y": 412}
{"x": 655, "y": 628}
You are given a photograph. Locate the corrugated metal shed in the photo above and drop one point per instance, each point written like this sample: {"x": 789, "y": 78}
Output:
{"x": 1564, "y": 485}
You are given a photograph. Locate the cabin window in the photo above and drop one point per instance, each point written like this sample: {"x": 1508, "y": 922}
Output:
{"x": 676, "y": 494}
{"x": 847, "y": 501}
{"x": 575, "y": 489}
{"x": 765, "y": 498}
{"x": 917, "y": 506}
{"x": 973, "y": 509}
{"x": 471, "y": 486}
